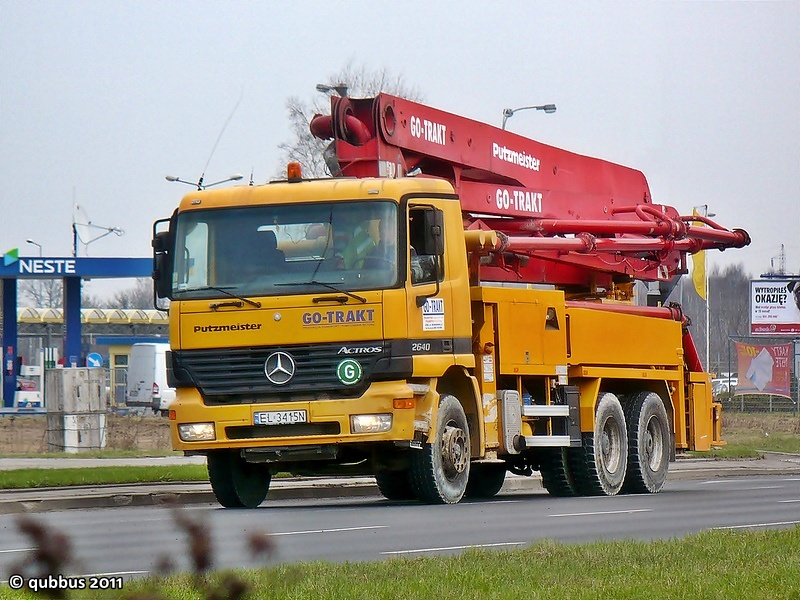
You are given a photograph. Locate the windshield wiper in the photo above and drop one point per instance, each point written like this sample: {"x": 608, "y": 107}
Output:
{"x": 325, "y": 285}
{"x": 225, "y": 291}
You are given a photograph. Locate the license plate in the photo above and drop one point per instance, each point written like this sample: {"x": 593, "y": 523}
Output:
{"x": 280, "y": 417}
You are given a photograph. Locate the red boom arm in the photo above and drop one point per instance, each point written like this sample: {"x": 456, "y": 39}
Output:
{"x": 564, "y": 219}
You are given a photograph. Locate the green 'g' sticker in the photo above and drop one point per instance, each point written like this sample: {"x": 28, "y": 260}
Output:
{"x": 349, "y": 371}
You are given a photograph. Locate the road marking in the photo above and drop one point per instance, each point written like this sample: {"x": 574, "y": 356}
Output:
{"x": 443, "y": 548}
{"x": 758, "y": 525}
{"x": 17, "y": 550}
{"x": 339, "y": 530}
{"x": 783, "y": 501}
{"x": 603, "y": 512}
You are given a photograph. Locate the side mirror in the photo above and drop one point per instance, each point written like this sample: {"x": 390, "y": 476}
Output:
{"x": 433, "y": 226}
{"x": 162, "y": 263}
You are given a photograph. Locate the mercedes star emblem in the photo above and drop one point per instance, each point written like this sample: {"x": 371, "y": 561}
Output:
{"x": 279, "y": 368}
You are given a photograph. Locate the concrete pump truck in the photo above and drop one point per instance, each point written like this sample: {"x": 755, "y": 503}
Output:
{"x": 456, "y": 303}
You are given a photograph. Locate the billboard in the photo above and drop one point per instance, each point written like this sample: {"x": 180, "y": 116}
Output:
{"x": 775, "y": 307}
{"x": 766, "y": 369}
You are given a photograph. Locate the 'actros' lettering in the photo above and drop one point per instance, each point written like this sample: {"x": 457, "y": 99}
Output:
{"x": 428, "y": 130}
{"x": 362, "y": 350}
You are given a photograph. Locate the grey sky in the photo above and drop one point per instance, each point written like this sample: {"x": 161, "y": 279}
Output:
{"x": 102, "y": 99}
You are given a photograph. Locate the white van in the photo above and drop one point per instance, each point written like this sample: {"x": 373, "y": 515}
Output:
{"x": 147, "y": 378}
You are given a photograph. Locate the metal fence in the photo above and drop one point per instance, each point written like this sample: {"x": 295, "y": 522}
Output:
{"x": 758, "y": 403}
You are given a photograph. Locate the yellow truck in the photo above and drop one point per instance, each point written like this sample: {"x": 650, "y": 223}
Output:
{"x": 455, "y": 303}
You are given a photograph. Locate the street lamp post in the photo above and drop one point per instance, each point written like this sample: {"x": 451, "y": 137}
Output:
{"x": 339, "y": 88}
{"x": 706, "y": 214}
{"x": 32, "y": 243}
{"x": 509, "y": 112}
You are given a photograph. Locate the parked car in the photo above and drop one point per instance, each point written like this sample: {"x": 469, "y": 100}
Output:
{"x": 147, "y": 378}
{"x": 724, "y": 386}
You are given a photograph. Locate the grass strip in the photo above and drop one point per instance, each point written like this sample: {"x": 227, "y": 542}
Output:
{"x": 709, "y": 565}
{"x": 35, "y": 478}
{"x": 96, "y": 454}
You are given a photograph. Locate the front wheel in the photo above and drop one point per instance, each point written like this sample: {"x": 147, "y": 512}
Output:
{"x": 485, "y": 480}
{"x": 439, "y": 472}
{"x": 648, "y": 444}
{"x": 394, "y": 485}
{"x": 236, "y": 483}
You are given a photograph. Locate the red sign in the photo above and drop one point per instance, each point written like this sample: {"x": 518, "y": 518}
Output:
{"x": 764, "y": 369}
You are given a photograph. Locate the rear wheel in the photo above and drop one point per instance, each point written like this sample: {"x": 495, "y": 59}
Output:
{"x": 394, "y": 485}
{"x": 556, "y": 476}
{"x": 648, "y": 444}
{"x": 485, "y": 480}
{"x": 599, "y": 466}
{"x": 236, "y": 483}
{"x": 440, "y": 470}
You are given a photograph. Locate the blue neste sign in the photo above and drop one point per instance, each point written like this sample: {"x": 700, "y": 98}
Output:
{"x": 30, "y": 267}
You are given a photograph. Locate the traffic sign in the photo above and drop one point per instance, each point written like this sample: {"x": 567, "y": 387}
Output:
{"x": 93, "y": 359}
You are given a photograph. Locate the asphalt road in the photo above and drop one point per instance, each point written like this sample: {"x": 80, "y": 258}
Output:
{"x": 130, "y": 541}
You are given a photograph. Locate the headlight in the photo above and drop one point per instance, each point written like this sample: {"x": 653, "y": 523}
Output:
{"x": 196, "y": 432}
{"x": 370, "y": 423}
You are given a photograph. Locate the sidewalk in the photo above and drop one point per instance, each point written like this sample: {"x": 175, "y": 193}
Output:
{"x": 149, "y": 494}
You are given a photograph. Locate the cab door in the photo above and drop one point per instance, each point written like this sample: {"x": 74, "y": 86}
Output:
{"x": 428, "y": 291}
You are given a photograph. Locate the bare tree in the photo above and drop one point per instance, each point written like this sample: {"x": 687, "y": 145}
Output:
{"x": 42, "y": 293}
{"x": 729, "y": 301}
{"x": 140, "y": 295}
{"x": 361, "y": 83}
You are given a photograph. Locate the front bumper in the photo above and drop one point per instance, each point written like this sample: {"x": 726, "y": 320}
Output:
{"x": 328, "y": 421}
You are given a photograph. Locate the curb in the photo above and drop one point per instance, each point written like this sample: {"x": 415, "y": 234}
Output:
{"x": 187, "y": 493}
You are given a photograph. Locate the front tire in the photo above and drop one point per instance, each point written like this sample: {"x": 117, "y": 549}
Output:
{"x": 394, "y": 485}
{"x": 485, "y": 480}
{"x": 236, "y": 483}
{"x": 648, "y": 444}
{"x": 439, "y": 472}
{"x": 599, "y": 467}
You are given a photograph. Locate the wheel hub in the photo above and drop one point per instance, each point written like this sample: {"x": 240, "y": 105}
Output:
{"x": 610, "y": 447}
{"x": 653, "y": 444}
{"x": 455, "y": 455}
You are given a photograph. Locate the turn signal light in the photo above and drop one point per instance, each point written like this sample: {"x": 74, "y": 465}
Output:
{"x": 403, "y": 403}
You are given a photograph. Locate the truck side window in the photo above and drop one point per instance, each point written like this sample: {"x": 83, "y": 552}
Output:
{"x": 423, "y": 266}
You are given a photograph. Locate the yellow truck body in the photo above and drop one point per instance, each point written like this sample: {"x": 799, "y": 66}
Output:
{"x": 435, "y": 385}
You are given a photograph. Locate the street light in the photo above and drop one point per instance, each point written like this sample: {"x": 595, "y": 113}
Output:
{"x": 200, "y": 185}
{"x": 35, "y": 244}
{"x": 697, "y": 210}
{"x": 509, "y": 112}
{"x": 339, "y": 88}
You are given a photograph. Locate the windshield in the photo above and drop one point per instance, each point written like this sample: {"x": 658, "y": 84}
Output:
{"x": 286, "y": 249}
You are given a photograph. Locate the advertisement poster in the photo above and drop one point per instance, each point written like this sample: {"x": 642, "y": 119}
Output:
{"x": 775, "y": 307}
{"x": 764, "y": 369}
